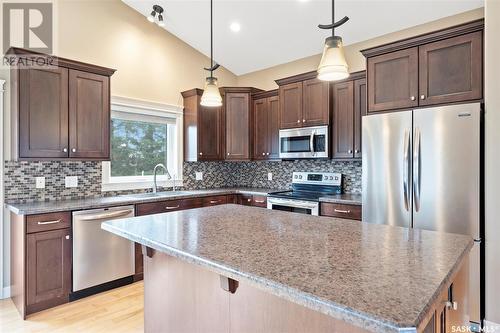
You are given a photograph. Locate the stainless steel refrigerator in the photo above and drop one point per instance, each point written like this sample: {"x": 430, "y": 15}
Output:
{"x": 422, "y": 169}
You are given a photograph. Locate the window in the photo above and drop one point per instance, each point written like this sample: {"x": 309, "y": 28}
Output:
{"x": 143, "y": 135}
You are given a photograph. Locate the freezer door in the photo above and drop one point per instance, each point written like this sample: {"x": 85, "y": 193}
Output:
{"x": 387, "y": 146}
{"x": 446, "y": 162}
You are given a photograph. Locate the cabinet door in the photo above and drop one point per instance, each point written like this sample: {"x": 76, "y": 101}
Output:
{"x": 43, "y": 113}
{"x": 343, "y": 120}
{"x": 210, "y": 120}
{"x": 89, "y": 115}
{"x": 238, "y": 123}
{"x": 290, "y": 97}
{"x": 316, "y": 103}
{"x": 359, "y": 112}
{"x": 48, "y": 261}
{"x": 260, "y": 128}
{"x": 273, "y": 127}
{"x": 393, "y": 80}
{"x": 450, "y": 70}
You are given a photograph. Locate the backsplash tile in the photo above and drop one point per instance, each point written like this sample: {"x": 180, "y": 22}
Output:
{"x": 20, "y": 177}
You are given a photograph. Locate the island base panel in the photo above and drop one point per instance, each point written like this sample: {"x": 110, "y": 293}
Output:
{"x": 182, "y": 297}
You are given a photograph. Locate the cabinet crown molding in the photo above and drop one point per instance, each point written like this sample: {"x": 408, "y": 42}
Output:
{"x": 457, "y": 30}
{"x": 265, "y": 94}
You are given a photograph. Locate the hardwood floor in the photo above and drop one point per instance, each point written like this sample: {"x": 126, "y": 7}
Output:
{"x": 119, "y": 310}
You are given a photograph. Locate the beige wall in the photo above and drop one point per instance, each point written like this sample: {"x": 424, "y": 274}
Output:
{"x": 492, "y": 133}
{"x": 264, "y": 79}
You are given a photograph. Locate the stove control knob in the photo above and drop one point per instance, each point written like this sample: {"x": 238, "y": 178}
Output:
{"x": 331, "y": 177}
{"x": 295, "y": 176}
{"x": 300, "y": 176}
{"x": 325, "y": 177}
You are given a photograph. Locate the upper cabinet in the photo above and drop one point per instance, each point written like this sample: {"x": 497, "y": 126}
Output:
{"x": 445, "y": 66}
{"x": 60, "y": 112}
{"x": 203, "y": 129}
{"x": 349, "y": 105}
{"x": 304, "y": 101}
{"x": 266, "y": 126}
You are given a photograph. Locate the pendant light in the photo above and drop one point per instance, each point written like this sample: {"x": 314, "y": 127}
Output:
{"x": 211, "y": 96}
{"x": 333, "y": 66}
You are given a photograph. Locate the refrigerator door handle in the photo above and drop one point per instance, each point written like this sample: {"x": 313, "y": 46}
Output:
{"x": 417, "y": 170}
{"x": 406, "y": 165}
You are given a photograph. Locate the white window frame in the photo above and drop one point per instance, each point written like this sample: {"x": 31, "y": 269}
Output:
{"x": 133, "y": 109}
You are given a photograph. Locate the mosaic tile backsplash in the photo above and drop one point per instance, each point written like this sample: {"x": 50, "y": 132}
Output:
{"x": 20, "y": 177}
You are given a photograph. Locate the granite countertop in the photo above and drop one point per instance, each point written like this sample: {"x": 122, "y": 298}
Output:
{"x": 92, "y": 203}
{"x": 379, "y": 277}
{"x": 347, "y": 199}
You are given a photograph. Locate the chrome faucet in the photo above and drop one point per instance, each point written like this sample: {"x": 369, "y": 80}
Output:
{"x": 159, "y": 165}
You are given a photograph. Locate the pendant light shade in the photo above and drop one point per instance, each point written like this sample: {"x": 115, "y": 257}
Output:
{"x": 211, "y": 96}
{"x": 333, "y": 66}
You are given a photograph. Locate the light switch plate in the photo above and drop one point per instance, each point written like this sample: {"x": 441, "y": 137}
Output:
{"x": 71, "y": 181}
{"x": 199, "y": 176}
{"x": 269, "y": 176}
{"x": 40, "y": 182}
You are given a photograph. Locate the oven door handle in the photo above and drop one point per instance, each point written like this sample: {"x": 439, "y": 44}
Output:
{"x": 311, "y": 142}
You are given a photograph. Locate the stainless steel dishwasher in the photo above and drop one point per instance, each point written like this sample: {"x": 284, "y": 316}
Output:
{"x": 100, "y": 256}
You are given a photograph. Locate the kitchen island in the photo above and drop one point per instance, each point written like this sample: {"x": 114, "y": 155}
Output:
{"x": 232, "y": 268}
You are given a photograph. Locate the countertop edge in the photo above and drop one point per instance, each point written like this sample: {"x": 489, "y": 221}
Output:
{"x": 305, "y": 299}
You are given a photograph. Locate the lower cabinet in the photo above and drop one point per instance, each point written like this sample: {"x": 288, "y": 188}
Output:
{"x": 350, "y": 212}
{"x": 252, "y": 200}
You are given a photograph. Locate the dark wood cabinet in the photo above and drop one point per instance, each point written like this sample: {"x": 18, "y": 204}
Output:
{"x": 349, "y": 105}
{"x": 48, "y": 262}
{"x": 266, "y": 126}
{"x": 60, "y": 112}
{"x": 43, "y": 113}
{"x": 203, "y": 129}
{"x": 393, "y": 80}
{"x": 238, "y": 110}
{"x": 304, "y": 101}
{"x": 89, "y": 115}
{"x": 440, "y": 67}
{"x": 351, "y": 212}
{"x": 450, "y": 70}
{"x": 252, "y": 200}
{"x": 214, "y": 200}
{"x": 316, "y": 103}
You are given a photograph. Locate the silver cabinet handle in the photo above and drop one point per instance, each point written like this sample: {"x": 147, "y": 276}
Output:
{"x": 65, "y": 150}
{"x": 356, "y": 151}
{"x": 201, "y": 153}
{"x": 214, "y": 201}
{"x": 422, "y": 97}
{"x": 303, "y": 120}
{"x": 67, "y": 237}
{"x": 349, "y": 151}
{"x": 249, "y": 200}
{"x": 298, "y": 121}
{"x": 263, "y": 154}
{"x": 259, "y": 201}
{"x": 406, "y": 166}
{"x": 228, "y": 154}
{"x": 267, "y": 153}
{"x": 49, "y": 222}
{"x": 73, "y": 150}
{"x": 172, "y": 207}
{"x": 341, "y": 211}
{"x": 417, "y": 169}
{"x": 412, "y": 98}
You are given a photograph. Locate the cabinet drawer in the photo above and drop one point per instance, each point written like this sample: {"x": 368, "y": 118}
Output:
{"x": 214, "y": 201}
{"x": 46, "y": 222}
{"x": 352, "y": 212}
{"x": 245, "y": 199}
{"x": 260, "y": 201}
{"x": 167, "y": 206}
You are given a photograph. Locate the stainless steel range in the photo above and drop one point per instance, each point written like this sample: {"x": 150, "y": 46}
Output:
{"x": 307, "y": 188}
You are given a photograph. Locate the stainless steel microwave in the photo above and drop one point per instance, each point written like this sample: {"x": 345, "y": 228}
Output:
{"x": 305, "y": 142}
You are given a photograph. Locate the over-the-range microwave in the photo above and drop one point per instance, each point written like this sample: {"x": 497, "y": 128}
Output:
{"x": 305, "y": 142}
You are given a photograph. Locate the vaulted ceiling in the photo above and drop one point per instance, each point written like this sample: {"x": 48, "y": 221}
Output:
{"x": 276, "y": 32}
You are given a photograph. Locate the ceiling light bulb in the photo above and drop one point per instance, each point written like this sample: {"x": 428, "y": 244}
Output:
{"x": 151, "y": 19}
{"x": 211, "y": 95}
{"x": 235, "y": 27}
{"x": 333, "y": 66}
{"x": 160, "y": 21}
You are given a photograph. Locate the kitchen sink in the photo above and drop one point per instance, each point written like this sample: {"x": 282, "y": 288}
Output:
{"x": 157, "y": 194}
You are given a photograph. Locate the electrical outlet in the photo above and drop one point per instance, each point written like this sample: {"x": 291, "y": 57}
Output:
{"x": 40, "y": 182}
{"x": 199, "y": 176}
{"x": 71, "y": 181}
{"x": 269, "y": 176}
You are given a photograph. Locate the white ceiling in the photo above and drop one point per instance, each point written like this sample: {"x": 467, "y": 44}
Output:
{"x": 279, "y": 31}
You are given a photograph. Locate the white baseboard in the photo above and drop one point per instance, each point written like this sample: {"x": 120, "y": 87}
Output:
{"x": 490, "y": 326}
{"x": 5, "y": 292}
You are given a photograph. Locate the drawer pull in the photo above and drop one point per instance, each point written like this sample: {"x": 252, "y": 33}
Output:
{"x": 341, "y": 211}
{"x": 172, "y": 207}
{"x": 259, "y": 201}
{"x": 249, "y": 200}
{"x": 49, "y": 222}
{"x": 214, "y": 201}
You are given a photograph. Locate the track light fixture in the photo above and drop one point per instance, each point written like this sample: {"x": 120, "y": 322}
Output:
{"x": 157, "y": 11}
